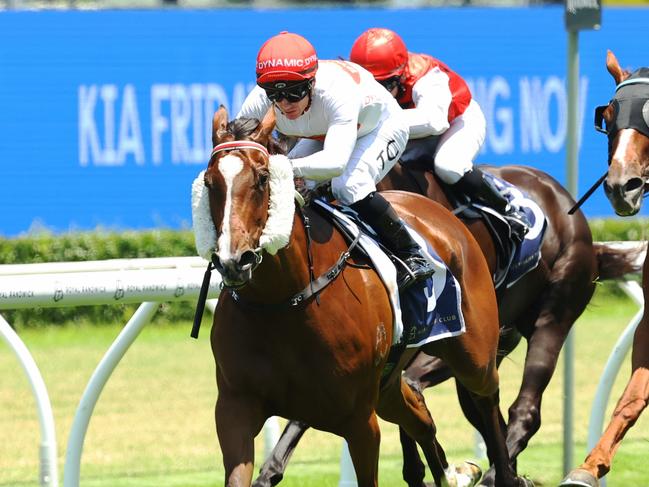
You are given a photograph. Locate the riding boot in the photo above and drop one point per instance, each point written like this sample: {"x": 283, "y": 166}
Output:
{"x": 481, "y": 189}
{"x": 377, "y": 212}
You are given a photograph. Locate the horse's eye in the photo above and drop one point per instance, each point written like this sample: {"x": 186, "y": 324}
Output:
{"x": 263, "y": 179}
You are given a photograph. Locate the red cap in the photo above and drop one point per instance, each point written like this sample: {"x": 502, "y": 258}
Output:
{"x": 380, "y": 51}
{"x": 286, "y": 57}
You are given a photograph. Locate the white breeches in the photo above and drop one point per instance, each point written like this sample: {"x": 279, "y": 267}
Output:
{"x": 460, "y": 144}
{"x": 372, "y": 158}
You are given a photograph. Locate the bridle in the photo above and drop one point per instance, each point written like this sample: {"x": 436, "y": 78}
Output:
{"x": 257, "y": 253}
{"x": 311, "y": 291}
{"x": 239, "y": 145}
{"x": 631, "y": 105}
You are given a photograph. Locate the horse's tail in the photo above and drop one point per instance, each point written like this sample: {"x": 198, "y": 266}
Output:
{"x": 616, "y": 259}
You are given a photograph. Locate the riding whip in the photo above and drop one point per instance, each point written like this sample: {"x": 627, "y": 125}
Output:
{"x": 202, "y": 297}
{"x": 588, "y": 193}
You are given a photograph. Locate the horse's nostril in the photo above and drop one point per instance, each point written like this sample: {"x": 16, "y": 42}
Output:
{"x": 248, "y": 259}
{"x": 634, "y": 184}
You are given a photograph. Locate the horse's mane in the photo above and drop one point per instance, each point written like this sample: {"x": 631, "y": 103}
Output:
{"x": 242, "y": 129}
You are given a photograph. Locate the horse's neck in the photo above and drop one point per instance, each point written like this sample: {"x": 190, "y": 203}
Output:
{"x": 281, "y": 275}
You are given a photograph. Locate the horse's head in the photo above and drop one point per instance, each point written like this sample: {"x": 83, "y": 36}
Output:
{"x": 232, "y": 204}
{"x": 627, "y": 127}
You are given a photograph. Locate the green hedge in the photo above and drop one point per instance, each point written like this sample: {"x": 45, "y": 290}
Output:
{"x": 611, "y": 229}
{"x": 101, "y": 245}
{"x": 97, "y": 245}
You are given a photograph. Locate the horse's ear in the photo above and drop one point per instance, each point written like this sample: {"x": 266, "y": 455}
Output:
{"x": 219, "y": 124}
{"x": 266, "y": 126}
{"x": 613, "y": 67}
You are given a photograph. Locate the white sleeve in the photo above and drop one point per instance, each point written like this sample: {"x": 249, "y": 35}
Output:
{"x": 339, "y": 143}
{"x": 255, "y": 105}
{"x": 432, "y": 98}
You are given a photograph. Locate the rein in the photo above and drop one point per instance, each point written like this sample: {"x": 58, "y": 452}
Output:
{"x": 314, "y": 287}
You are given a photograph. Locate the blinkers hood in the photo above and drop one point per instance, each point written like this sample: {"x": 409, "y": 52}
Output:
{"x": 630, "y": 106}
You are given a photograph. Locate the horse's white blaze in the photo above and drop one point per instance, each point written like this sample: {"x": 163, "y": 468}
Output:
{"x": 229, "y": 167}
{"x": 622, "y": 145}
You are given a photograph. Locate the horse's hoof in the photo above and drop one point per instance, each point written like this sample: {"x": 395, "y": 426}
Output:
{"x": 522, "y": 482}
{"x": 579, "y": 478}
{"x": 467, "y": 474}
{"x": 525, "y": 482}
{"x": 268, "y": 480}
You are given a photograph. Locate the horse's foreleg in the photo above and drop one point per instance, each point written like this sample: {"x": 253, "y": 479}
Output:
{"x": 473, "y": 415}
{"x": 414, "y": 469}
{"x": 570, "y": 277}
{"x": 477, "y": 388}
{"x": 494, "y": 436}
{"x": 404, "y": 405}
{"x": 633, "y": 401}
{"x": 425, "y": 371}
{"x": 272, "y": 471}
{"x": 363, "y": 439}
{"x": 238, "y": 421}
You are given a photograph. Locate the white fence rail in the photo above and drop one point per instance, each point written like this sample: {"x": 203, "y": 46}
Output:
{"x": 612, "y": 368}
{"x": 146, "y": 281}
{"x": 150, "y": 282}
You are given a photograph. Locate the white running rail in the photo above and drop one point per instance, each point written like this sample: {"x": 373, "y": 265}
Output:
{"x": 616, "y": 358}
{"x": 146, "y": 281}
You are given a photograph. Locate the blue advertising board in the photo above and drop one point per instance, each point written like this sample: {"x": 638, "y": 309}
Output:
{"x": 105, "y": 116}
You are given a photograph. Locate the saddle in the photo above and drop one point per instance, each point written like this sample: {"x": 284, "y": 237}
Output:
{"x": 417, "y": 162}
{"x": 499, "y": 227}
{"x": 424, "y": 312}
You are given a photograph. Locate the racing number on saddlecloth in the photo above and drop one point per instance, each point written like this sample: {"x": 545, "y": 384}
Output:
{"x": 390, "y": 151}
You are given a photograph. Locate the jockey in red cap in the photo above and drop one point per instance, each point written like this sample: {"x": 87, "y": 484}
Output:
{"x": 438, "y": 103}
{"x": 350, "y": 131}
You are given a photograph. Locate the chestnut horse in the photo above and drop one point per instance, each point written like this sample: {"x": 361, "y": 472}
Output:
{"x": 627, "y": 128}
{"x": 541, "y": 307}
{"x": 313, "y": 349}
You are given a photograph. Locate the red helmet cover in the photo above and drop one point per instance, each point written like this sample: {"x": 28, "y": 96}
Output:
{"x": 381, "y": 51}
{"x": 286, "y": 57}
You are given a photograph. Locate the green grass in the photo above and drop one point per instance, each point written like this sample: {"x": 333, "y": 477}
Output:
{"x": 626, "y": 3}
{"x": 153, "y": 424}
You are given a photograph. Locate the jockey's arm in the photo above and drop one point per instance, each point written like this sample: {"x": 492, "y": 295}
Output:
{"x": 432, "y": 98}
{"x": 339, "y": 143}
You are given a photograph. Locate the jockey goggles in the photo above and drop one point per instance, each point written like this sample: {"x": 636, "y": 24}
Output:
{"x": 391, "y": 83}
{"x": 280, "y": 90}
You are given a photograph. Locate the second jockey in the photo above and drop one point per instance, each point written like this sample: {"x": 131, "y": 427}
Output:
{"x": 350, "y": 131}
{"x": 437, "y": 102}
